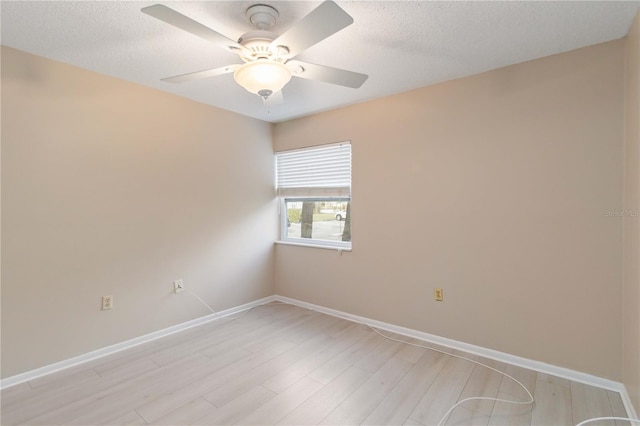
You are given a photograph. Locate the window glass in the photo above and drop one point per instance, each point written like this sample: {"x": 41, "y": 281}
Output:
{"x": 324, "y": 220}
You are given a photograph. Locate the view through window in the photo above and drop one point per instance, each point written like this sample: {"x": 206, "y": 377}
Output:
{"x": 327, "y": 219}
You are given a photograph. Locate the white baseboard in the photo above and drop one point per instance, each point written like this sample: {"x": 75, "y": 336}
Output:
{"x": 99, "y": 353}
{"x": 542, "y": 367}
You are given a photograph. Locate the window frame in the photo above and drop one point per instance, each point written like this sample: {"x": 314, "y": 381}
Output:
{"x": 312, "y": 189}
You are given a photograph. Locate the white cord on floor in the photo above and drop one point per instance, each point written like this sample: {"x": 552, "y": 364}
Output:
{"x": 531, "y": 400}
{"x": 596, "y": 419}
{"x": 462, "y": 401}
{"x": 202, "y": 301}
{"x": 213, "y": 311}
{"x": 474, "y": 398}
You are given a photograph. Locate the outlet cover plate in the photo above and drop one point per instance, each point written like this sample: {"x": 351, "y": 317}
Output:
{"x": 107, "y": 303}
{"x": 438, "y": 295}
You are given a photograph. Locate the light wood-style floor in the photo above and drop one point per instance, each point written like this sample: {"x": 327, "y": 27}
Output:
{"x": 281, "y": 364}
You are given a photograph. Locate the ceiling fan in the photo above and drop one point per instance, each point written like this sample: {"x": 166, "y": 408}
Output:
{"x": 268, "y": 62}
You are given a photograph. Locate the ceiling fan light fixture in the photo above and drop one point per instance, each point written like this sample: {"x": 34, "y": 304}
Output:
{"x": 262, "y": 76}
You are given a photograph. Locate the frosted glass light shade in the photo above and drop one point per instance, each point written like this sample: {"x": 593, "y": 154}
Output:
{"x": 262, "y": 75}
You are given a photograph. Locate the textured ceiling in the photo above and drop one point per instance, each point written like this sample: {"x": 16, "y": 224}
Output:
{"x": 401, "y": 45}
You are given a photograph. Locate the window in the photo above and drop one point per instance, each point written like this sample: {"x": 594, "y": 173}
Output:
{"x": 314, "y": 186}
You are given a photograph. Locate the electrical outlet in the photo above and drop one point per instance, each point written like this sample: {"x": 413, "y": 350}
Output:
{"x": 438, "y": 295}
{"x": 178, "y": 286}
{"x": 107, "y": 303}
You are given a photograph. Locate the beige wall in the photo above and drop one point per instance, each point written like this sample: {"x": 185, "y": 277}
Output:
{"x": 631, "y": 290}
{"x": 494, "y": 187}
{"x": 110, "y": 188}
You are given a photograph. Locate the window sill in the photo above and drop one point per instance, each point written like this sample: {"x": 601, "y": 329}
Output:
{"x": 318, "y": 246}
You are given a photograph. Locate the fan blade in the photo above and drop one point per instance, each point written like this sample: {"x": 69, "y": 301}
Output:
{"x": 187, "y": 24}
{"x": 323, "y": 21}
{"x": 327, "y": 74}
{"x": 201, "y": 74}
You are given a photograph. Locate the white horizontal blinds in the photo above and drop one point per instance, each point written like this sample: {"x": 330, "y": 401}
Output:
{"x": 324, "y": 171}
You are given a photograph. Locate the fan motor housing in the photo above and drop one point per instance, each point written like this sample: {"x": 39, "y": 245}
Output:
{"x": 258, "y": 42}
